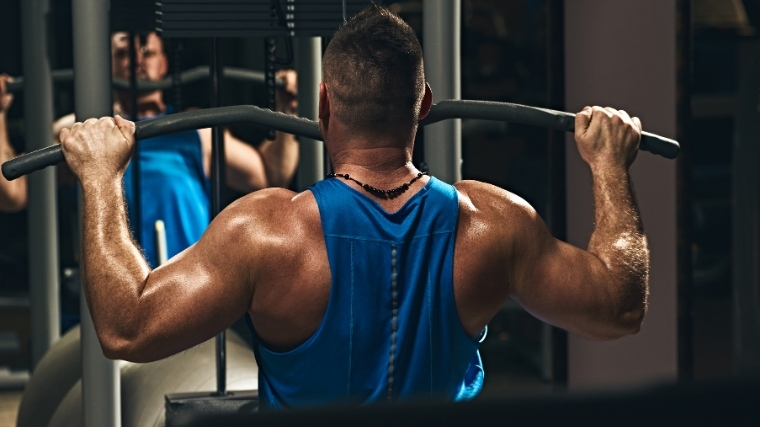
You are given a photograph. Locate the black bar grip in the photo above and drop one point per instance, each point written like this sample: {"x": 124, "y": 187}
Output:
{"x": 225, "y": 116}
{"x": 34, "y": 161}
{"x": 534, "y": 116}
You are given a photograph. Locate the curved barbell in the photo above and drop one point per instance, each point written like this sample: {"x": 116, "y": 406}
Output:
{"x": 224, "y": 116}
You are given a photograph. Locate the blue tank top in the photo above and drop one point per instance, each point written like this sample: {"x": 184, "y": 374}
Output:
{"x": 391, "y": 329}
{"x": 174, "y": 189}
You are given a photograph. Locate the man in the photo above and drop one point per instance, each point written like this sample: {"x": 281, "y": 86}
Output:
{"x": 12, "y": 193}
{"x": 354, "y": 293}
{"x": 175, "y": 169}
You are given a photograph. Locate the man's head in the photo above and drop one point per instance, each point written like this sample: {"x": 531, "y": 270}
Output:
{"x": 151, "y": 59}
{"x": 373, "y": 72}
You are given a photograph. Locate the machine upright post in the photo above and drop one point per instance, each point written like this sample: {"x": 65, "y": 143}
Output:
{"x": 441, "y": 28}
{"x": 308, "y": 60}
{"x": 101, "y": 380}
{"x": 136, "y": 189}
{"x": 43, "y": 225}
{"x": 217, "y": 190}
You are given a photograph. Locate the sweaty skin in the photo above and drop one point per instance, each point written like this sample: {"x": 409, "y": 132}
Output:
{"x": 266, "y": 254}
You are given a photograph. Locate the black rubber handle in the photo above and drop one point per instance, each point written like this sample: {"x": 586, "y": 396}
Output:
{"x": 534, "y": 116}
{"x": 224, "y": 116}
{"x": 34, "y": 161}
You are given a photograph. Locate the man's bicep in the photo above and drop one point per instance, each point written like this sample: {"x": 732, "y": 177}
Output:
{"x": 557, "y": 282}
{"x": 200, "y": 292}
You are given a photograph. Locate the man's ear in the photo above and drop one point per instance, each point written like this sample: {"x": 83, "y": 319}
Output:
{"x": 324, "y": 108}
{"x": 427, "y": 102}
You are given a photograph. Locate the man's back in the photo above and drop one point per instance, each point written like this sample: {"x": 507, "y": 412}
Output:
{"x": 293, "y": 286}
{"x": 391, "y": 328}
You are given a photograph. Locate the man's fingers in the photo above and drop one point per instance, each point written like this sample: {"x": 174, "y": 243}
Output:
{"x": 126, "y": 127}
{"x": 637, "y": 122}
{"x": 583, "y": 119}
{"x": 63, "y": 134}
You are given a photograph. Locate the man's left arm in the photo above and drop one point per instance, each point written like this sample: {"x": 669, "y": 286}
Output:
{"x": 142, "y": 314}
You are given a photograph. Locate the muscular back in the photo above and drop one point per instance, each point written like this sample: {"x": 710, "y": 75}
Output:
{"x": 289, "y": 302}
{"x": 503, "y": 249}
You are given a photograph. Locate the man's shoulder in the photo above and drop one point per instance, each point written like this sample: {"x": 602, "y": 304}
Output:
{"x": 280, "y": 224}
{"x": 489, "y": 203}
{"x": 471, "y": 191}
{"x": 277, "y": 208}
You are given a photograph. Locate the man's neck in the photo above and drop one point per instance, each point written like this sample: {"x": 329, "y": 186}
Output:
{"x": 381, "y": 154}
{"x": 148, "y": 105}
{"x": 379, "y": 166}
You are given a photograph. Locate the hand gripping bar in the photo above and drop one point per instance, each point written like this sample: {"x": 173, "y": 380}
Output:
{"x": 224, "y": 116}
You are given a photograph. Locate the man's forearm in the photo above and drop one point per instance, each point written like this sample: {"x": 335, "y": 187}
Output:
{"x": 12, "y": 193}
{"x": 115, "y": 270}
{"x": 280, "y": 159}
{"x": 619, "y": 242}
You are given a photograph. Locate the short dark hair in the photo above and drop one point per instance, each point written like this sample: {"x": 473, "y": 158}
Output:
{"x": 373, "y": 69}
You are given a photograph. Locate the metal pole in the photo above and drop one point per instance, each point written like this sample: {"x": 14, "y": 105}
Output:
{"x": 556, "y": 209}
{"x": 43, "y": 225}
{"x": 136, "y": 190}
{"x": 101, "y": 383}
{"x": 217, "y": 189}
{"x": 685, "y": 284}
{"x": 308, "y": 52}
{"x": 745, "y": 215}
{"x": 440, "y": 35}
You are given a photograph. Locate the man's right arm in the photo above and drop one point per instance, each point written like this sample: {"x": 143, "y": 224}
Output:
{"x": 13, "y": 195}
{"x": 600, "y": 293}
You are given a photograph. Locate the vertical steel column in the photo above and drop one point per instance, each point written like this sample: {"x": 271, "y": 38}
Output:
{"x": 556, "y": 210}
{"x": 42, "y": 210}
{"x": 217, "y": 189}
{"x": 308, "y": 60}
{"x": 101, "y": 381}
{"x": 685, "y": 284}
{"x": 136, "y": 189}
{"x": 441, "y": 29}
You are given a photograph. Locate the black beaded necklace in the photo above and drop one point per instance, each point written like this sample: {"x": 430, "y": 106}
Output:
{"x": 385, "y": 194}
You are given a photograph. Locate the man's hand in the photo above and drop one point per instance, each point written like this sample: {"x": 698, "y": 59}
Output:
{"x": 287, "y": 96}
{"x": 99, "y": 149}
{"x": 6, "y": 98}
{"x": 607, "y": 137}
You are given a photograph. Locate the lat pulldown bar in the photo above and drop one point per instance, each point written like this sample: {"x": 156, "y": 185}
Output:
{"x": 224, "y": 116}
